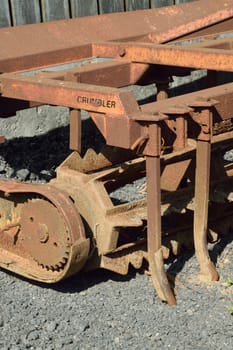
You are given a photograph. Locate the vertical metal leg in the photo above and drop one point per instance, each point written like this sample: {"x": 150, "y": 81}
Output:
{"x": 211, "y": 78}
{"x": 75, "y": 130}
{"x": 162, "y": 90}
{"x": 154, "y": 238}
{"x": 202, "y": 179}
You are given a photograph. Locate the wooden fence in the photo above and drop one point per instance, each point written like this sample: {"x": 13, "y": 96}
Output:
{"x": 17, "y": 12}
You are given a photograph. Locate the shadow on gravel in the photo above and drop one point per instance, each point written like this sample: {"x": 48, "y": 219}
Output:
{"x": 36, "y": 158}
{"x": 192, "y": 86}
{"x": 177, "y": 263}
{"x": 36, "y": 154}
{"x": 220, "y": 247}
{"x": 85, "y": 280}
{"x": 217, "y": 251}
{"x": 81, "y": 281}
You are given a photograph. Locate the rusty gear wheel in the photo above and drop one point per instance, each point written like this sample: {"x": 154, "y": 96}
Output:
{"x": 44, "y": 233}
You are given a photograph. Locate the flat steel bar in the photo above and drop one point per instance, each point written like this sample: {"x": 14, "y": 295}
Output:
{"x": 75, "y": 130}
{"x": 97, "y": 73}
{"x": 61, "y": 41}
{"x": 93, "y": 98}
{"x": 199, "y": 58}
{"x": 101, "y": 73}
{"x": 154, "y": 240}
{"x": 202, "y": 182}
{"x": 223, "y": 94}
{"x": 213, "y": 30}
{"x": 221, "y": 43}
{"x": 44, "y": 59}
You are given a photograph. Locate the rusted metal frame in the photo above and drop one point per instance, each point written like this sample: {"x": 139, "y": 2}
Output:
{"x": 211, "y": 43}
{"x": 113, "y": 102}
{"x": 202, "y": 115}
{"x": 156, "y": 187}
{"x": 98, "y": 73}
{"x": 152, "y": 150}
{"x": 60, "y": 41}
{"x": 36, "y": 89}
{"x": 223, "y": 94}
{"x": 108, "y": 107}
{"x": 111, "y": 73}
{"x": 200, "y": 58}
{"x": 99, "y": 99}
{"x": 150, "y": 125}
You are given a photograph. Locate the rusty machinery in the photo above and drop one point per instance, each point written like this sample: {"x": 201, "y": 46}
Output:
{"x": 51, "y": 231}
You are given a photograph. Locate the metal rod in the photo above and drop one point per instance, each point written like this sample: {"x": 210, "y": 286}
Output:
{"x": 75, "y": 130}
{"x": 202, "y": 181}
{"x": 159, "y": 277}
{"x": 162, "y": 90}
{"x": 153, "y": 202}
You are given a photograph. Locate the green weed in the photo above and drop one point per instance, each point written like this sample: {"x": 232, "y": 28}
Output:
{"x": 229, "y": 282}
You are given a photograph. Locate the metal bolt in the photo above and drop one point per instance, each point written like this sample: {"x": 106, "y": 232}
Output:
{"x": 43, "y": 233}
{"x": 122, "y": 52}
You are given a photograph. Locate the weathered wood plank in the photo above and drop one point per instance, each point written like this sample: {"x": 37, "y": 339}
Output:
{"x": 5, "y": 19}
{"x": 161, "y": 3}
{"x": 106, "y": 6}
{"x": 81, "y": 8}
{"x": 24, "y": 12}
{"x": 56, "y": 9}
{"x": 131, "y": 5}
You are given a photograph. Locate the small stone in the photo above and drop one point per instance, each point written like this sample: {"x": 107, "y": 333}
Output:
{"x": 2, "y": 167}
{"x": 33, "y": 335}
{"x": 83, "y": 293}
{"x": 51, "y": 326}
{"x": 83, "y": 327}
{"x": 10, "y": 172}
{"x": 14, "y": 347}
{"x": 190, "y": 312}
{"x": 67, "y": 340}
{"x": 46, "y": 174}
{"x": 22, "y": 174}
{"x": 116, "y": 340}
{"x": 1, "y": 321}
{"x": 33, "y": 177}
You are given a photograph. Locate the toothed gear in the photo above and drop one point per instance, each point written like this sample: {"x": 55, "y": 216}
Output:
{"x": 44, "y": 234}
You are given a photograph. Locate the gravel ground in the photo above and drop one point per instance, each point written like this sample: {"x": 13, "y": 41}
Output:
{"x": 102, "y": 310}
